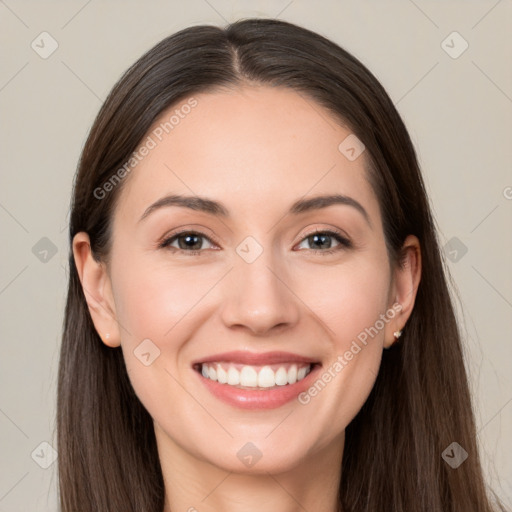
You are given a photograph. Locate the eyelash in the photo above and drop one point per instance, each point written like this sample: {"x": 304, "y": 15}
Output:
{"x": 343, "y": 241}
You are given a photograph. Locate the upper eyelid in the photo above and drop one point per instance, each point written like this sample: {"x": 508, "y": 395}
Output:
{"x": 171, "y": 236}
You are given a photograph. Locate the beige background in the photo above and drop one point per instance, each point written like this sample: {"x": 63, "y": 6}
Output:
{"x": 458, "y": 112}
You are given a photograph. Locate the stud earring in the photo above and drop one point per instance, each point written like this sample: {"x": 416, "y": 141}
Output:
{"x": 397, "y": 334}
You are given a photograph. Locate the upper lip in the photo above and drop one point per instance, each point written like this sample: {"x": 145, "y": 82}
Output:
{"x": 253, "y": 358}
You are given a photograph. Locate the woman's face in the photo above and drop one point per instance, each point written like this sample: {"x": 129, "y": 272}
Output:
{"x": 252, "y": 280}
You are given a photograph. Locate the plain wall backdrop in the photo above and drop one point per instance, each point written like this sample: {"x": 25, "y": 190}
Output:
{"x": 445, "y": 64}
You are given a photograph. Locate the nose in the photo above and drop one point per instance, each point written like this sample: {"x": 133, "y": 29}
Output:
{"x": 259, "y": 297}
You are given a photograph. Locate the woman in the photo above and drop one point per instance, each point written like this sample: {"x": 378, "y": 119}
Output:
{"x": 215, "y": 356}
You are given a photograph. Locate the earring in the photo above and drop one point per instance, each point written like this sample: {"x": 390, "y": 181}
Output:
{"x": 397, "y": 334}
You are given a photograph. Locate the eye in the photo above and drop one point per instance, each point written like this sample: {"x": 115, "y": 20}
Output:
{"x": 322, "y": 238}
{"x": 189, "y": 242}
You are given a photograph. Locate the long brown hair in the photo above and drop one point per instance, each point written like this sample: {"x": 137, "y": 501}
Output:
{"x": 420, "y": 404}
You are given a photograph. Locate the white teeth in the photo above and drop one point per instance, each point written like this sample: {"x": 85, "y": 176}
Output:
{"x": 266, "y": 377}
{"x": 281, "y": 376}
{"x": 222, "y": 375}
{"x": 292, "y": 374}
{"x": 248, "y": 377}
{"x": 233, "y": 376}
{"x": 255, "y": 377}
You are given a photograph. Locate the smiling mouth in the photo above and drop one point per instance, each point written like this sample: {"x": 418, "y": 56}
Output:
{"x": 255, "y": 377}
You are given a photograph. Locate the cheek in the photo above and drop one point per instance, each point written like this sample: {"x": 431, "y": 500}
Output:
{"x": 350, "y": 306}
{"x": 151, "y": 299}
{"x": 155, "y": 309}
{"x": 347, "y": 298}
{"x": 159, "y": 307}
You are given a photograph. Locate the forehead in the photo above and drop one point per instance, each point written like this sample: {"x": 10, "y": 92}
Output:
{"x": 250, "y": 148}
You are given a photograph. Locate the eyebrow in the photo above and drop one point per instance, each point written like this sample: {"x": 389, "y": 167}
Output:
{"x": 203, "y": 204}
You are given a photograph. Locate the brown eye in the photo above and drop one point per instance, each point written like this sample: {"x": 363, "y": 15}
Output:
{"x": 321, "y": 241}
{"x": 188, "y": 241}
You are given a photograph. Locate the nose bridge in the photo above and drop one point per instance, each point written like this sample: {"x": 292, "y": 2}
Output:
{"x": 257, "y": 295}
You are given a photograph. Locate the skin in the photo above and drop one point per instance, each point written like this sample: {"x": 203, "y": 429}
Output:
{"x": 257, "y": 150}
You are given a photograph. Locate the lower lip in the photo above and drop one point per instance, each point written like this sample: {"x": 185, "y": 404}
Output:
{"x": 259, "y": 399}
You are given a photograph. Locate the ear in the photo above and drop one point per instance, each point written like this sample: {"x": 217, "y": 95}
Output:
{"x": 406, "y": 280}
{"x": 97, "y": 290}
